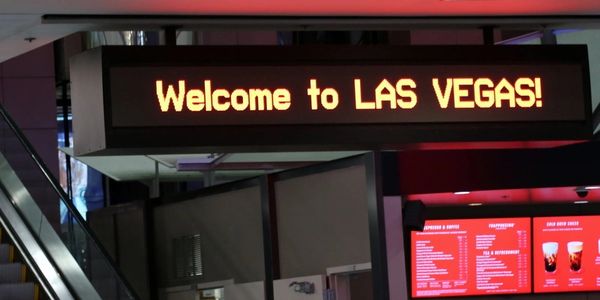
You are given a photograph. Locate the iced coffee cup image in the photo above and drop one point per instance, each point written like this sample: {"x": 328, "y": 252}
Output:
{"x": 575, "y": 249}
{"x": 550, "y": 249}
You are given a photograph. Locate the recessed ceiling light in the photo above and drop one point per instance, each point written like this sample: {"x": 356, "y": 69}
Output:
{"x": 476, "y": 204}
{"x": 594, "y": 187}
{"x": 581, "y": 202}
{"x": 462, "y": 193}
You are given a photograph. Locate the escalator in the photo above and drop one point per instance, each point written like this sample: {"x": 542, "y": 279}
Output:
{"x": 17, "y": 282}
{"x": 44, "y": 256}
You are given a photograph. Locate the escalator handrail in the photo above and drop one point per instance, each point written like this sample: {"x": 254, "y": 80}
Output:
{"x": 63, "y": 197}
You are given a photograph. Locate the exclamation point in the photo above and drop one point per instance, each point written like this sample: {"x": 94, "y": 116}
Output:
{"x": 538, "y": 92}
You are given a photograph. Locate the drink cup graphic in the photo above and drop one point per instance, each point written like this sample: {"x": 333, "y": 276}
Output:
{"x": 575, "y": 249}
{"x": 550, "y": 249}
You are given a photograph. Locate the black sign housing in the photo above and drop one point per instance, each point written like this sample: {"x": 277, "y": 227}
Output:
{"x": 254, "y": 98}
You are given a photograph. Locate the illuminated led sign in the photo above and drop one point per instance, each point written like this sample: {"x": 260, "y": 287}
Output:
{"x": 377, "y": 96}
{"x": 526, "y": 92}
{"x": 259, "y": 95}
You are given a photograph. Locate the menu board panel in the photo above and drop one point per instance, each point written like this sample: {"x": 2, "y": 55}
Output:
{"x": 566, "y": 254}
{"x": 471, "y": 257}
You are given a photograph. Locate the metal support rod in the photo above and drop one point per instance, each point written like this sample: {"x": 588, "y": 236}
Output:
{"x": 270, "y": 235}
{"x": 209, "y": 178}
{"x": 155, "y": 185}
{"x": 548, "y": 37}
{"x": 596, "y": 118}
{"x": 377, "y": 226}
{"x": 171, "y": 35}
{"x": 107, "y": 191}
{"x": 488, "y": 35}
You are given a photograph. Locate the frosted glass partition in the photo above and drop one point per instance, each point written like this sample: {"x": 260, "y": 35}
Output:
{"x": 227, "y": 236}
{"x": 323, "y": 222}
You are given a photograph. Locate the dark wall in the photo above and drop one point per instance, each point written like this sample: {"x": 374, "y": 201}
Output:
{"x": 27, "y": 92}
{"x": 436, "y": 171}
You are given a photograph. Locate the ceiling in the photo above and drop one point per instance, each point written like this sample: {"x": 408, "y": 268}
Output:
{"x": 21, "y": 20}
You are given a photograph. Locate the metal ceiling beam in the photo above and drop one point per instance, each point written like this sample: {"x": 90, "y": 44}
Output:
{"x": 245, "y": 166}
{"x": 300, "y": 23}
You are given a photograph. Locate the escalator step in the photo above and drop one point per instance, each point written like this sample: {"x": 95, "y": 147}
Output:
{"x": 23, "y": 273}
{"x": 11, "y": 273}
{"x": 17, "y": 291}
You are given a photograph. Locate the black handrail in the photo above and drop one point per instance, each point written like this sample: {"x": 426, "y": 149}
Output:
{"x": 68, "y": 204}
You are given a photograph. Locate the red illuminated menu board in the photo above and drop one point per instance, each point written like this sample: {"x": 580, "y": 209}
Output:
{"x": 566, "y": 254}
{"x": 471, "y": 257}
